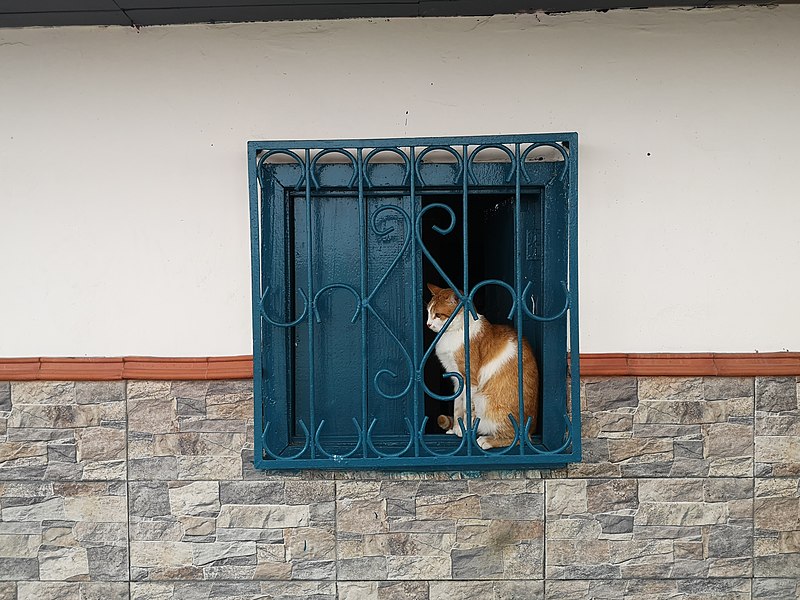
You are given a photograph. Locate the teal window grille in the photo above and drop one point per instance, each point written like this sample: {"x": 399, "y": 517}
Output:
{"x": 344, "y": 236}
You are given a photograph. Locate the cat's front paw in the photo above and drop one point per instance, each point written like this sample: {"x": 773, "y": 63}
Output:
{"x": 456, "y": 430}
{"x": 483, "y": 442}
{"x": 450, "y": 431}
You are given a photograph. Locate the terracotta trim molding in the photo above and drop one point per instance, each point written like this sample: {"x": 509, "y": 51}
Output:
{"x": 694, "y": 364}
{"x": 129, "y": 367}
{"x": 241, "y": 367}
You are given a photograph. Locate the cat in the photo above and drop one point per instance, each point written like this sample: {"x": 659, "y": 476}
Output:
{"x": 494, "y": 384}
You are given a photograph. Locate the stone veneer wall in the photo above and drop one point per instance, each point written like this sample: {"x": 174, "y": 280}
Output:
{"x": 688, "y": 489}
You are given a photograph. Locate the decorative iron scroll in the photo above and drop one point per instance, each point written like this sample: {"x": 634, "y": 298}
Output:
{"x": 412, "y": 448}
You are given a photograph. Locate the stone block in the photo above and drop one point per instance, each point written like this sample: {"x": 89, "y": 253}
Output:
{"x": 5, "y": 396}
{"x": 725, "y": 388}
{"x": 481, "y": 562}
{"x": 161, "y": 554}
{"x": 152, "y": 416}
{"x": 100, "y": 444}
{"x": 198, "y": 498}
{"x": 263, "y": 516}
{"x": 314, "y": 569}
{"x": 776, "y": 589}
{"x": 523, "y": 560}
{"x": 108, "y": 563}
{"x": 310, "y": 543}
{"x": 776, "y": 512}
{"x": 43, "y": 392}
{"x": 611, "y": 393}
{"x": 361, "y": 516}
{"x": 224, "y": 553}
{"x": 670, "y": 388}
{"x": 149, "y": 499}
{"x": 418, "y": 567}
{"x": 252, "y": 492}
{"x": 517, "y": 507}
{"x": 99, "y": 392}
{"x": 383, "y": 590}
{"x": 776, "y": 394}
{"x": 62, "y": 564}
{"x": 209, "y": 467}
{"x": 157, "y": 468}
{"x": 511, "y": 590}
{"x": 85, "y": 590}
{"x": 361, "y": 568}
{"x": 96, "y": 507}
{"x": 566, "y": 497}
{"x": 462, "y": 590}
{"x": 18, "y": 569}
{"x": 681, "y": 513}
{"x": 611, "y": 495}
{"x": 306, "y": 492}
{"x": 780, "y": 453}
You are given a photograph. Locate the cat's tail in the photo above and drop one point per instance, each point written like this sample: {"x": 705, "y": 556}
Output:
{"x": 446, "y": 422}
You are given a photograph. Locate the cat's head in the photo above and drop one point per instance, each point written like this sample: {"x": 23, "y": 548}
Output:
{"x": 440, "y": 307}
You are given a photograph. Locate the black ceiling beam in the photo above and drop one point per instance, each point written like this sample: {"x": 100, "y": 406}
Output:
{"x": 26, "y": 13}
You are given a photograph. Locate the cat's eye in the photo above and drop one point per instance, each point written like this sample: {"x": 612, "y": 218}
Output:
{"x": 439, "y": 316}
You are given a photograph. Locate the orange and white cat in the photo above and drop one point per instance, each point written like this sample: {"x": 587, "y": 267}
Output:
{"x": 493, "y": 371}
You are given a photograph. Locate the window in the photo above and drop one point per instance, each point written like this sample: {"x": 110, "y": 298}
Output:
{"x": 345, "y": 236}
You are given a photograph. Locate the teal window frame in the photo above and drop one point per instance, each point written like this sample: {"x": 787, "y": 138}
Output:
{"x": 340, "y": 218}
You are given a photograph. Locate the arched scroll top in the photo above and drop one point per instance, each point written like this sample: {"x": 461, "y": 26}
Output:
{"x": 267, "y": 155}
{"x": 271, "y": 321}
{"x": 418, "y": 163}
{"x": 421, "y": 436}
{"x": 337, "y": 457}
{"x": 333, "y": 286}
{"x": 536, "y": 317}
{"x": 271, "y": 454}
{"x": 374, "y": 449}
{"x": 474, "y": 154}
{"x": 343, "y": 152}
{"x": 375, "y": 152}
{"x": 532, "y": 147}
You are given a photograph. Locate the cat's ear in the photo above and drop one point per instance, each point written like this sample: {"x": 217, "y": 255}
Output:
{"x": 435, "y": 289}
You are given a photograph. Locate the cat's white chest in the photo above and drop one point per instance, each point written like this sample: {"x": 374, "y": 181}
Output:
{"x": 447, "y": 347}
{"x": 452, "y": 343}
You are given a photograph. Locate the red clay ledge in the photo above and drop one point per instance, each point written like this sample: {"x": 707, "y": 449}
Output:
{"x": 241, "y": 367}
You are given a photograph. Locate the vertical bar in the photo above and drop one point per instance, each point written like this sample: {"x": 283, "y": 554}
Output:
{"x": 465, "y": 292}
{"x": 518, "y": 293}
{"x": 574, "y": 349}
{"x": 255, "y": 268}
{"x": 362, "y": 233}
{"x": 310, "y": 317}
{"x": 416, "y": 289}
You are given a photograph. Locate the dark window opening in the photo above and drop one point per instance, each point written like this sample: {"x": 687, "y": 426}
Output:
{"x": 491, "y": 255}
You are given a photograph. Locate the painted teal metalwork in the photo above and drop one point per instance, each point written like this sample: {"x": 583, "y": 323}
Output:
{"x": 340, "y": 243}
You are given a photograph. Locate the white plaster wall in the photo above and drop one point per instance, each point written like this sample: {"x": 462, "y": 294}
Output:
{"x": 123, "y": 191}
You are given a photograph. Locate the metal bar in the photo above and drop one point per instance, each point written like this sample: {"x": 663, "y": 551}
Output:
{"x": 574, "y": 346}
{"x": 474, "y": 462}
{"x": 420, "y": 141}
{"x": 465, "y": 290}
{"x": 519, "y": 298}
{"x": 362, "y": 246}
{"x": 255, "y": 282}
{"x": 310, "y": 318}
{"x": 415, "y": 288}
